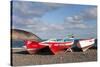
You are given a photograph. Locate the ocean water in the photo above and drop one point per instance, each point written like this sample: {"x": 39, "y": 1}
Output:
{"x": 20, "y": 43}
{"x": 17, "y": 43}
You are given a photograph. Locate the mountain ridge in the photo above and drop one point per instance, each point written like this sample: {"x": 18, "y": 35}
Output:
{"x": 18, "y": 34}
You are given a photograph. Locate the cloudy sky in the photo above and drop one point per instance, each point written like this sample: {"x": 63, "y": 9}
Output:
{"x": 54, "y": 20}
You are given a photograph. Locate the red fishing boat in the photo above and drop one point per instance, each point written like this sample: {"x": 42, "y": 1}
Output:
{"x": 54, "y": 45}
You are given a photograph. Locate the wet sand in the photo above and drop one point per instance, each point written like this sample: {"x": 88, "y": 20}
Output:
{"x": 21, "y": 58}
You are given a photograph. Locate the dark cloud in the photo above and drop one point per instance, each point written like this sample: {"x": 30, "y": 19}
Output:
{"x": 89, "y": 14}
{"x": 31, "y": 9}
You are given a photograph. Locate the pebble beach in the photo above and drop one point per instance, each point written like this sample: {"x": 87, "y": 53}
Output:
{"x": 20, "y": 57}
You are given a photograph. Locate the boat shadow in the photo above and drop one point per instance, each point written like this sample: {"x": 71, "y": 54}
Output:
{"x": 47, "y": 51}
{"x": 44, "y": 51}
{"x": 20, "y": 52}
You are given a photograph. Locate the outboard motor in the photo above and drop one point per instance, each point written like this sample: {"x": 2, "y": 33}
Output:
{"x": 95, "y": 44}
{"x": 76, "y": 45}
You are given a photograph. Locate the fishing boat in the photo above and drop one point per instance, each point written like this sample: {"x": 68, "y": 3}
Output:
{"x": 86, "y": 43}
{"x": 54, "y": 45}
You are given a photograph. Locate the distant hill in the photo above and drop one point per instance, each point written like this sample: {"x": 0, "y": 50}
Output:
{"x": 24, "y": 35}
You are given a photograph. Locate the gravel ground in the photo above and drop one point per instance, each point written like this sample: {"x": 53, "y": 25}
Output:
{"x": 20, "y": 57}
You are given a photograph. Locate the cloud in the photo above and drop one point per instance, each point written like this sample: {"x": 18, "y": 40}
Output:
{"x": 89, "y": 14}
{"x": 25, "y": 9}
{"x": 73, "y": 19}
{"x": 34, "y": 24}
{"x": 74, "y": 22}
{"x": 53, "y": 5}
{"x": 78, "y": 21}
{"x": 41, "y": 26}
{"x": 31, "y": 9}
{"x": 27, "y": 16}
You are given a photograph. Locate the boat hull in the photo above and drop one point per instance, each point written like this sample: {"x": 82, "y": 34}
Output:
{"x": 55, "y": 48}
{"x": 32, "y": 47}
{"x": 86, "y": 44}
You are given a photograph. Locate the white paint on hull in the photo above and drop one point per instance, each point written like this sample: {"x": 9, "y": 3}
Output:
{"x": 84, "y": 43}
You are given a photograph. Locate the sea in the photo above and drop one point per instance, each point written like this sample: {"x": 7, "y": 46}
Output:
{"x": 20, "y": 43}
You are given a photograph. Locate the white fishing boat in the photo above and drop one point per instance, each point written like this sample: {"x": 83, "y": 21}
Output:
{"x": 86, "y": 43}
